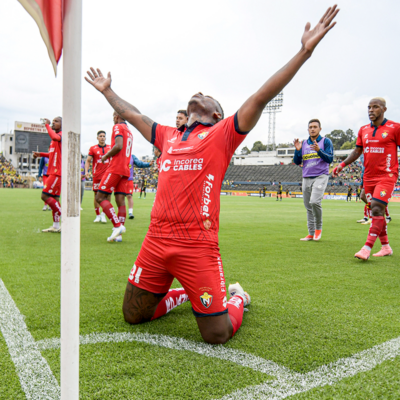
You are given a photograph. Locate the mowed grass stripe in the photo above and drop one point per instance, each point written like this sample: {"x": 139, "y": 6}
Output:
{"x": 312, "y": 303}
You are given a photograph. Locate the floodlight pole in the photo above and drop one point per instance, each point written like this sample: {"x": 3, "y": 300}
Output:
{"x": 70, "y": 217}
{"x": 273, "y": 107}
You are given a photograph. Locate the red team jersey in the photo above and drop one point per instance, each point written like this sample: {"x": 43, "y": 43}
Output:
{"x": 158, "y": 162}
{"x": 98, "y": 168}
{"x": 54, "y": 153}
{"x": 119, "y": 164}
{"x": 380, "y": 151}
{"x": 194, "y": 162}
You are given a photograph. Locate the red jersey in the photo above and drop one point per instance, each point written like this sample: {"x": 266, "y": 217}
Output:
{"x": 98, "y": 168}
{"x": 158, "y": 162}
{"x": 119, "y": 164}
{"x": 54, "y": 153}
{"x": 380, "y": 150}
{"x": 194, "y": 162}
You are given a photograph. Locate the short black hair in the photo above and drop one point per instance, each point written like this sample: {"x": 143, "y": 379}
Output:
{"x": 184, "y": 112}
{"x": 98, "y": 133}
{"x": 314, "y": 120}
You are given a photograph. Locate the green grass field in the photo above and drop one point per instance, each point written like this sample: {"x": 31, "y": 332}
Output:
{"x": 313, "y": 303}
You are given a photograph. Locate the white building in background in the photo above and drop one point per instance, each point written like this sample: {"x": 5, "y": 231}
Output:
{"x": 19, "y": 145}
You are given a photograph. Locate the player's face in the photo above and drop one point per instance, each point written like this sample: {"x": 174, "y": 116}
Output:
{"x": 376, "y": 109}
{"x": 115, "y": 118}
{"x": 314, "y": 129}
{"x": 157, "y": 152}
{"x": 181, "y": 119}
{"x": 102, "y": 139}
{"x": 204, "y": 105}
{"x": 56, "y": 125}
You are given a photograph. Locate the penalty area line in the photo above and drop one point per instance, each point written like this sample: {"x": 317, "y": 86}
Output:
{"x": 35, "y": 376}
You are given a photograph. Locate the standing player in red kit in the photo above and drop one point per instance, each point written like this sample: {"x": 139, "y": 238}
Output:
{"x": 96, "y": 152}
{"x": 115, "y": 178}
{"x": 378, "y": 141}
{"x": 52, "y": 189}
{"x": 182, "y": 240}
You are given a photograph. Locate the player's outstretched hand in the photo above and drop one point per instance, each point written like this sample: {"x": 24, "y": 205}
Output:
{"x": 97, "y": 79}
{"x": 36, "y": 154}
{"x": 297, "y": 144}
{"x": 336, "y": 170}
{"x": 312, "y": 37}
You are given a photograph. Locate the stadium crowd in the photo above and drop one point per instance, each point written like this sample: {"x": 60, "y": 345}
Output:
{"x": 8, "y": 175}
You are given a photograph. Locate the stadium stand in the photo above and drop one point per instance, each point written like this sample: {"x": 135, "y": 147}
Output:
{"x": 9, "y": 178}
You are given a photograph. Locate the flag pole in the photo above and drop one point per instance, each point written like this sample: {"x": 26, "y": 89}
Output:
{"x": 71, "y": 185}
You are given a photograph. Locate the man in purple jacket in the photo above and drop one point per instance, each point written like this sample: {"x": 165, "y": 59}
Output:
{"x": 316, "y": 153}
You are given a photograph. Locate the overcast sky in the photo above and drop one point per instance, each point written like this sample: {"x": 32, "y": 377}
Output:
{"x": 162, "y": 52}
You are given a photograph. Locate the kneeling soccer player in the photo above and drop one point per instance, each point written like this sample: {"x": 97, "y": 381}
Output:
{"x": 182, "y": 241}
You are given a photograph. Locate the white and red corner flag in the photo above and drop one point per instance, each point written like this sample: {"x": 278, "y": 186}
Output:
{"x": 48, "y": 16}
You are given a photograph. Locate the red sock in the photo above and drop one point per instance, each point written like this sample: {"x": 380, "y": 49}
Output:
{"x": 97, "y": 210}
{"x": 383, "y": 236}
{"x": 55, "y": 207}
{"x": 387, "y": 211}
{"x": 235, "y": 311}
{"x": 122, "y": 214}
{"x": 369, "y": 210}
{"x": 366, "y": 212}
{"x": 374, "y": 230}
{"x": 110, "y": 212}
{"x": 174, "y": 298}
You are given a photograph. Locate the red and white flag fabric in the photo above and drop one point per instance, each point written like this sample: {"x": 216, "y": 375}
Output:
{"x": 48, "y": 16}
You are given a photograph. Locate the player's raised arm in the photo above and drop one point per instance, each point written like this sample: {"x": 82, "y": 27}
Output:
{"x": 126, "y": 110}
{"x": 250, "y": 112}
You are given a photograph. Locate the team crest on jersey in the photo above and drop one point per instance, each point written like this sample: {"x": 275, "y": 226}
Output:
{"x": 383, "y": 193}
{"x": 206, "y": 299}
{"x": 384, "y": 135}
{"x": 202, "y": 135}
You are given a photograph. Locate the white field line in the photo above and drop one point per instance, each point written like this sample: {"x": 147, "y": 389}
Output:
{"x": 223, "y": 353}
{"x": 286, "y": 382}
{"x": 37, "y": 380}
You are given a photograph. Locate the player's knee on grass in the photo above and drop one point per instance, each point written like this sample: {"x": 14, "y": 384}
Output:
{"x": 139, "y": 305}
{"x": 215, "y": 329}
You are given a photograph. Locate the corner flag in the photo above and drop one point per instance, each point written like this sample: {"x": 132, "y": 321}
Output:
{"x": 48, "y": 16}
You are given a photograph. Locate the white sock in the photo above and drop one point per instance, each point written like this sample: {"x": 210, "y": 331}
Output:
{"x": 56, "y": 225}
{"x": 367, "y": 248}
{"x": 102, "y": 214}
{"x": 130, "y": 211}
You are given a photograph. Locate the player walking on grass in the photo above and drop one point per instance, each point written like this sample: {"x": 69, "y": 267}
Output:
{"x": 316, "y": 153}
{"x": 182, "y": 240}
{"x": 52, "y": 189}
{"x": 378, "y": 141}
{"x": 116, "y": 176}
{"x": 279, "y": 192}
{"x": 349, "y": 193}
{"x": 96, "y": 152}
{"x": 140, "y": 164}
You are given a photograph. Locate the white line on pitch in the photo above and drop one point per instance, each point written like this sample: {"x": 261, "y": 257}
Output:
{"x": 37, "y": 380}
{"x": 322, "y": 376}
{"x": 223, "y": 353}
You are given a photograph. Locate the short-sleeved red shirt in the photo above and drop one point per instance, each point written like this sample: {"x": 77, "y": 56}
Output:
{"x": 119, "y": 164}
{"x": 98, "y": 168}
{"x": 55, "y": 163}
{"x": 194, "y": 162}
{"x": 380, "y": 150}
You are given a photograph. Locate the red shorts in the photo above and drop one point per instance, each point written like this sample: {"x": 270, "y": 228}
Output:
{"x": 45, "y": 180}
{"x": 379, "y": 191}
{"x": 96, "y": 184}
{"x": 198, "y": 269}
{"x": 129, "y": 187}
{"x": 52, "y": 186}
{"x": 113, "y": 183}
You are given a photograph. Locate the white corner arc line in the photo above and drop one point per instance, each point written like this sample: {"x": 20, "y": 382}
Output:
{"x": 37, "y": 380}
